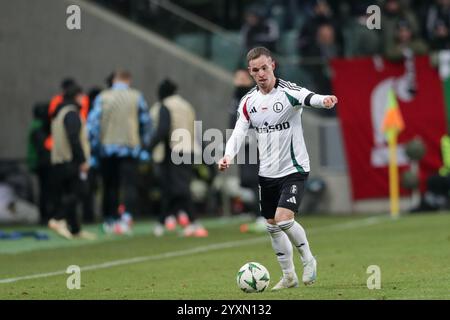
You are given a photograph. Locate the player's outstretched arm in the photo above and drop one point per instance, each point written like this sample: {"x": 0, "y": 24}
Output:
{"x": 308, "y": 98}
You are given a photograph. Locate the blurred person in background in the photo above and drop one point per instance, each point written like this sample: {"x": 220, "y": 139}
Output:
{"x": 440, "y": 36}
{"x": 248, "y": 172}
{"x": 259, "y": 30}
{"x": 172, "y": 112}
{"x": 438, "y": 23}
{"x": 392, "y": 12}
{"x": 320, "y": 40}
{"x": 57, "y": 99}
{"x": 38, "y": 158}
{"x": 438, "y": 12}
{"x": 322, "y": 14}
{"x": 70, "y": 163}
{"x": 119, "y": 131}
{"x": 110, "y": 79}
{"x": 405, "y": 43}
{"x": 362, "y": 40}
{"x": 90, "y": 186}
{"x": 285, "y": 12}
{"x": 324, "y": 47}
{"x": 437, "y": 194}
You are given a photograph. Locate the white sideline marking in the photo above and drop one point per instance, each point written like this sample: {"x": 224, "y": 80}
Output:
{"x": 211, "y": 247}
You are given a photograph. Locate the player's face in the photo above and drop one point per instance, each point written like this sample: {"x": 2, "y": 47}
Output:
{"x": 261, "y": 69}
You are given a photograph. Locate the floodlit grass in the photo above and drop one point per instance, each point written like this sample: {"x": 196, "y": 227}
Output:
{"x": 412, "y": 252}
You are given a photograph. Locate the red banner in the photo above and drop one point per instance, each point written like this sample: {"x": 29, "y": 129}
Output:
{"x": 362, "y": 87}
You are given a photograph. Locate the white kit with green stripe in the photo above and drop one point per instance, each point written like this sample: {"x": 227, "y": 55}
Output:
{"x": 276, "y": 118}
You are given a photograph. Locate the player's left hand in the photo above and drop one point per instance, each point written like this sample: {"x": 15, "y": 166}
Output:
{"x": 330, "y": 101}
{"x": 224, "y": 163}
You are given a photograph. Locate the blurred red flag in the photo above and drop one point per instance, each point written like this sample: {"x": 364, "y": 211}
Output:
{"x": 363, "y": 86}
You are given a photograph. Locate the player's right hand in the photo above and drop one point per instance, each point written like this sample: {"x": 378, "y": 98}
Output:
{"x": 224, "y": 163}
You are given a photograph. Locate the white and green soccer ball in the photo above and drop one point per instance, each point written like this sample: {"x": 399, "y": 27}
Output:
{"x": 253, "y": 277}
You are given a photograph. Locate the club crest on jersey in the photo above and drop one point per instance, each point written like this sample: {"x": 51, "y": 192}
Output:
{"x": 278, "y": 107}
{"x": 294, "y": 189}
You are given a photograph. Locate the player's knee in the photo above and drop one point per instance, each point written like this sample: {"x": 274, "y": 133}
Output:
{"x": 283, "y": 214}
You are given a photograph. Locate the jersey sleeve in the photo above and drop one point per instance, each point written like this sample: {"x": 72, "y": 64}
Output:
{"x": 240, "y": 130}
{"x": 300, "y": 97}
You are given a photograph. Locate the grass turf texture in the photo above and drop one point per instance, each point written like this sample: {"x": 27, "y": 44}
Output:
{"x": 413, "y": 253}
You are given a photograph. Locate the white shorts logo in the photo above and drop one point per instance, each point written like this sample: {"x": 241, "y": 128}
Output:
{"x": 294, "y": 189}
{"x": 292, "y": 200}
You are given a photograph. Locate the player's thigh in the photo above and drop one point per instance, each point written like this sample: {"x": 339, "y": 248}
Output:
{"x": 268, "y": 200}
{"x": 292, "y": 191}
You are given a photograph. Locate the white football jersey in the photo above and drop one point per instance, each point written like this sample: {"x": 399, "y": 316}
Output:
{"x": 276, "y": 119}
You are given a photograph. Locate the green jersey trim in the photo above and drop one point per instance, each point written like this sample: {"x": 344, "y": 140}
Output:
{"x": 294, "y": 161}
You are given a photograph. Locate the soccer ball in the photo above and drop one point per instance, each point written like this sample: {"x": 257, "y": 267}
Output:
{"x": 253, "y": 277}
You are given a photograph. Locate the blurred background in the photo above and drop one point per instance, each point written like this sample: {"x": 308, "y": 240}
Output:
{"x": 325, "y": 46}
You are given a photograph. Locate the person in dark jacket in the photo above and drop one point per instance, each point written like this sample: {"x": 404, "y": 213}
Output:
{"x": 38, "y": 158}
{"x": 259, "y": 30}
{"x": 69, "y": 158}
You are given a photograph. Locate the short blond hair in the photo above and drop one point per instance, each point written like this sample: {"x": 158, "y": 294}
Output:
{"x": 257, "y": 52}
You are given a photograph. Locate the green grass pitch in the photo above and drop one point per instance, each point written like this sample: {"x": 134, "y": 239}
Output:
{"x": 413, "y": 254}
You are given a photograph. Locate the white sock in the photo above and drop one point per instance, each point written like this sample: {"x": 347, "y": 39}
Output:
{"x": 297, "y": 235}
{"x": 282, "y": 247}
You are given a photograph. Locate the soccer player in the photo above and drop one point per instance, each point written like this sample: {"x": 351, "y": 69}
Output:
{"x": 274, "y": 107}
